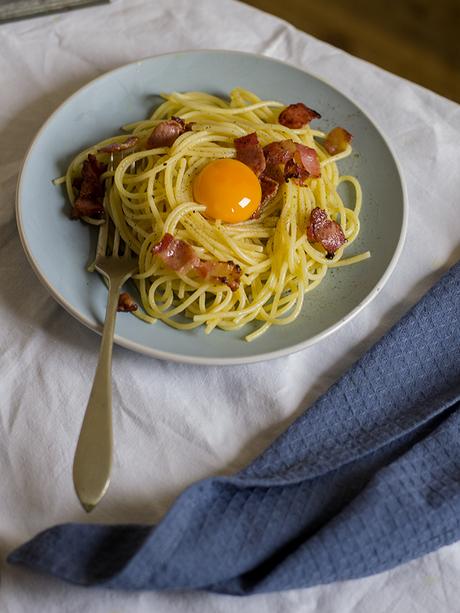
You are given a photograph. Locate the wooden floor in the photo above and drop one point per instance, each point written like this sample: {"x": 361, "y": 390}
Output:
{"x": 416, "y": 39}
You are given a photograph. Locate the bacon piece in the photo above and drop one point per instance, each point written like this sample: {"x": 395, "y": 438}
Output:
{"x": 304, "y": 164}
{"x": 91, "y": 172}
{"x": 277, "y": 155}
{"x": 269, "y": 190}
{"x": 297, "y": 116}
{"x": 292, "y": 170}
{"x": 308, "y": 159}
{"x": 337, "y": 140}
{"x": 166, "y": 132}
{"x": 83, "y": 207}
{"x": 249, "y": 151}
{"x": 129, "y": 143}
{"x": 176, "y": 254}
{"x": 91, "y": 191}
{"x": 299, "y": 160}
{"x": 279, "y": 152}
{"x": 225, "y": 272}
{"x": 325, "y": 231}
{"x": 126, "y": 304}
{"x": 274, "y": 172}
{"x": 286, "y": 159}
{"x": 181, "y": 257}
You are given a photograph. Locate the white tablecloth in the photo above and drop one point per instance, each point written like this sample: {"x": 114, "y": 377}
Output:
{"x": 174, "y": 423}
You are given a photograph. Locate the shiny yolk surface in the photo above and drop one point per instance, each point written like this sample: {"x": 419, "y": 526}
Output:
{"x": 229, "y": 189}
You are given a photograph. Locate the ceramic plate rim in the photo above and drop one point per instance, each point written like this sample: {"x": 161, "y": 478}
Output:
{"x": 197, "y": 359}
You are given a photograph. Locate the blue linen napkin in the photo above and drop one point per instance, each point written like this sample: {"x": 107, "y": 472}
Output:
{"x": 365, "y": 479}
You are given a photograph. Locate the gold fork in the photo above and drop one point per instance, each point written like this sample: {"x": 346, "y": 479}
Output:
{"x": 93, "y": 456}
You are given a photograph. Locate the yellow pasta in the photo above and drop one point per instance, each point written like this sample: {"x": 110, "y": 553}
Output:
{"x": 150, "y": 193}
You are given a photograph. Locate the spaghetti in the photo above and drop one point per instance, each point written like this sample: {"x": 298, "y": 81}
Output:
{"x": 149, "y": 194}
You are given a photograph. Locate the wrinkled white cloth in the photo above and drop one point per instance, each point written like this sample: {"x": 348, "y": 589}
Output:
{"x": 176, "y": 423}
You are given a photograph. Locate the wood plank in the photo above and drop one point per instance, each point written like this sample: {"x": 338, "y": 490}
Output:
{"x": 417, "y": 39}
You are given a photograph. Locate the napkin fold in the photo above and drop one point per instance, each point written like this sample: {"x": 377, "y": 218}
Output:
{"x": 367, "y": 478}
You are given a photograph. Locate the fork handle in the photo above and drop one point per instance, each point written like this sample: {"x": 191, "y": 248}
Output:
{"x": 93, "y": 455}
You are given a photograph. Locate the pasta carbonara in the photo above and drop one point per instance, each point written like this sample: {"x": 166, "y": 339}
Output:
{"x": 244, "y": 271}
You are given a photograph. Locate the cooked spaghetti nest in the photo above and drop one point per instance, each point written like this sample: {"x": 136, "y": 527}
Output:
{"x": 149, "y": 193}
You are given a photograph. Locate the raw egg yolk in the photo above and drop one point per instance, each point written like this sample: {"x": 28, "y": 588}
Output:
{"x": 229, "y": 189}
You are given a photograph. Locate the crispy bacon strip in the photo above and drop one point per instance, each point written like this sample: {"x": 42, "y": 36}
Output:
{"x": 308, "y": 159}
{"x": 325, "y": 231}
{"x": 274, "y": 172}
{"x": 181, "y": 257}
{"x": 269, "y": 190}
{"x": 166, "y": 132}
{"x": 304, "y": 164}
{"x": 126, "y": 304}
{"x": 297, "y": 116}
{"x": 249, "y": 151}
{"x": 265, "y": 163}
{"x": 91, "y": 191}
{"x": 279, "y": 152}
{"x": 84, "y": 207}
{"x": 129, "y": 143}
{"x": 277, "y": 155}
{"x": 294, "y": 171}
{"x": 176, "y": 254}
{"x": 299, "y": 161}
{"x": 277, "y": 162}
{"x": 224, "y": 272}
{"x": 337, "y": 140}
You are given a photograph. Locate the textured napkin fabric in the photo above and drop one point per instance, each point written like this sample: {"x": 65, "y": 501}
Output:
{"x": 367, "y": 478}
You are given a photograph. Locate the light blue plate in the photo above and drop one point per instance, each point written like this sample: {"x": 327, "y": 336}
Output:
{"x": 59, "y": 249}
